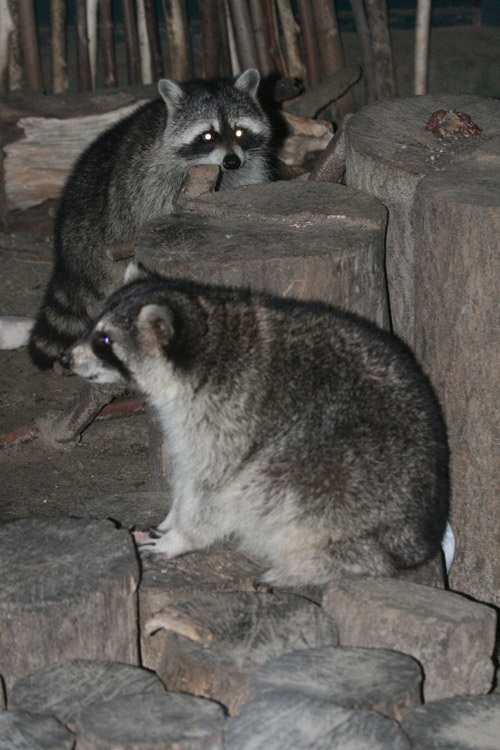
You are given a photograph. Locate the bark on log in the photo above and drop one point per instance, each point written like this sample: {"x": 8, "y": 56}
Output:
{"x": 77, "y": 685}
{"x": 328, "y": 90}
{"x": 457, "y": 278}
{"x": 361, "y": 678}
{"x": 456, "y": 651}
{"x": 58, "y": 46}
{"x": 388, "y": 153}
{"x": 168, "y": 582}
{"x": 19, "y": 729}
{"x": 215, "y": 642}
{"x": 309, "y": 723}
{"x": 68, "y": 592}
{"x": 152, "y": 722}
{"x": 461, "y": 723}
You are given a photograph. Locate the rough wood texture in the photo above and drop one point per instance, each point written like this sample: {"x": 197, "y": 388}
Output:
{"x": 310, "y": 240}
{"x": 167, "y": 582}
{"x": 229, "y": 636}
{"x": 457, "y": 272}
{"x": 43, "y": 135}
{"x": 377, "y": 679}
{"x": 21, "y": 731}
{"x": 68, "y": 591}
{"x": 388, "y": 152}
{"x": 67, "y": 688}
{"x": 458, "y": 723}
{"x": 451, "y": 637}
{"x": 152, "y": 722}
{"x": 308, "y": 723}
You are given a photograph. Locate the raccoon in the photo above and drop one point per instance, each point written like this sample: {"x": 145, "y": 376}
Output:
{"x": 132, "y": 173}
{"x": 304, "y": 432}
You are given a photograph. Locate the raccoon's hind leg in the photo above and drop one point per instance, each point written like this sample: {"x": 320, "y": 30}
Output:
{"x": 359, "y": 556}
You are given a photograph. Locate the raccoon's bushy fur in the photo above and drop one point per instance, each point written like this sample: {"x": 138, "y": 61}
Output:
{"x": 305, "y": 432}
{"x": 132, "y": 173}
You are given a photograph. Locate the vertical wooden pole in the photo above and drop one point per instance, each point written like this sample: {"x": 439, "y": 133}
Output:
{"x": 310, "y": 41}
{"x": 296, "y": 65}
{"x": 178, "y": 39}
{"x": 82, "y": 47}
{"x": 92, "y": 39}
{"x": 30, "y": 46}
{"x": 274, "y": 37}
{"x": 144, "y": 49}
{"x": 365, "y": 42}
{"x": 378, "y": 19}
{"x": 58, "y": 46}
{"x": 210, "y": 38}
{"x": 130, "y": 28}
{"x": 261, "y": 35}
{"x": 247, "y": 51}
{"x": 225, "y": 57}
{"x": 422, "y": 30}
{"x": 154, "y": 39}
{"x": 110, "y": 72}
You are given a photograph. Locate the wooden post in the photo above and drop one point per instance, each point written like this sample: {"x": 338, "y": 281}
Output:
{"x": 378, "y": 19}
{"x": 110, "y": 72}
{"x": 58, "y": 46}
{"x": 365, "y": 42}
{"x": 295, "y": 64}
{"x": 82, "y": 47}
{"x": 29, "y": 42}
{"x": 310, "y": 41}
{"x": 261, "y": 37}
{"x": 154, "y": 39}
{"x": 130, "y": 27}
{"x": 210, "y": 38}
{"x": 247, "y": 52}
{"x": 178, "y": 39}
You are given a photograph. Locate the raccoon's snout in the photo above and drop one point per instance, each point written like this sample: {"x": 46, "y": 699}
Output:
{"x": 231, "y": 161}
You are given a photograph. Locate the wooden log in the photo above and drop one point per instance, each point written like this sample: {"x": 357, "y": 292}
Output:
{"x": 16, "y": 71}
{"x": 178, "y": 39}
{"x": 261, "y": 34}
{"x": 42, "y": 137}
{"x": 73, "y": 686}
{"x": 144, "y": 46}
{"x": 457, "y": 278}
{"x": 295, "y": 63}
{"x": 459, "y": 723}
{"x": 388, "y": 152}
{"x": 214, "y": 642}
{"x": 154, "y": 39}
{"x": 365, "y": 42}
{"x": 378, "y": 19}
{"x": 310, "y": 41}
{"x": 68, "y": 591}
{"x": 328, "y": 90}
{"x": 58, "y": 47}
{"x": 131, "y": 41}
{"x": 210, "y": 38}
{"x": 19, "y": 729}
{"x": 152, "y": 722}
{"x": 299, "y": 721}
{"x": 361, "y": 678}
{"x": 30, "y": 46}
{"x": 110, "y": 70}
{"x": 82, "y": 47}
{"x": 247, "y": 51}
{"x": 165, "y": 583}
{"x": 386, "y": 613}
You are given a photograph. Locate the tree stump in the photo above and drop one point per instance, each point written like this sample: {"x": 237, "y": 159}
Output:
{"x": 21, "y": 730}
{"x": 310, "y": 240}
{"x": 152, "y": 722}
{"x": 458, "y": 723}
{"x": 452, "y": 637}
{"x": 307, "y": 723}
{"x": 388, "y": 152}
{"x": 168, "y": 582}
{"x": 376, "y": 679}
{"x": 68, "y": 688}
{"x": 457, "y": 271}
{"x": 68, "y": 591}
{"x": 217, "y": 641}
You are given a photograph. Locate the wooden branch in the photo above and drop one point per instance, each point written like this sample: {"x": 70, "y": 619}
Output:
{"x": 296, "y": 65}
{"x": 154, "y": 39}
{"x": 331, "y": 165}
{"x": 422, "y": 29}
{"x": 274, "y": 38}
{"x": 247, "y": 50}
{"x": 332, "y": 55}
{"x": 378, "y": 20}
{"x": 82, "y": 47}
{"x": 325, "y": 92}
{"x": 92, "y": 37}
{"x": 16, "y": 77}
{"x": 130, "y": 28}
{"x": 144, "y": 49}
{"x": 210, "y": 38}
{"x": 30, "y": 46}
{"x": 58, "y": 46}
{"x": 310, "y": 41}
{"x": 110, "y": 71}
{"x": 6, "y": 30}
{"x": 365, "y": 42}
{"x": 178, "y": 39}
{"x": 260, "y": 31}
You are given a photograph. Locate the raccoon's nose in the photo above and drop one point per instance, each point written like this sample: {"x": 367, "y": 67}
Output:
{"x": 231, "y": 161}
{"x": 66, "y": 360}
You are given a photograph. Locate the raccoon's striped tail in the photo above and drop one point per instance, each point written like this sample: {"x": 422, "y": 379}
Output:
{"x": 62, "y": 320}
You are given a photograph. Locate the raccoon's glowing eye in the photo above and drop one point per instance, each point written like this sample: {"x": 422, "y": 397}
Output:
{"x": 208, "y": 136}
{"x": 239, "y": 132}
{"x": 103, "y": 338}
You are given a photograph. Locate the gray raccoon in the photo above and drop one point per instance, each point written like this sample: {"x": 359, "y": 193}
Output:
{"x": 133, "y": 173}
{"x": 306, "y": 433}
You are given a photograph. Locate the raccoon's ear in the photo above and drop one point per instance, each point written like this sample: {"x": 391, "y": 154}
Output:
{"x": 172, "y": 94}
{"x": 136, "y": 272}
{"x": 156, "y": 324}
{"x": 248, "y": 82}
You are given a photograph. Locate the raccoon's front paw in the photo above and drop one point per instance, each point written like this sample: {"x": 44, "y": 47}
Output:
{"x": 171, "y": 544}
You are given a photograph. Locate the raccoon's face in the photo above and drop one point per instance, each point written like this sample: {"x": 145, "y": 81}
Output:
{"x": 216, "y": 122}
